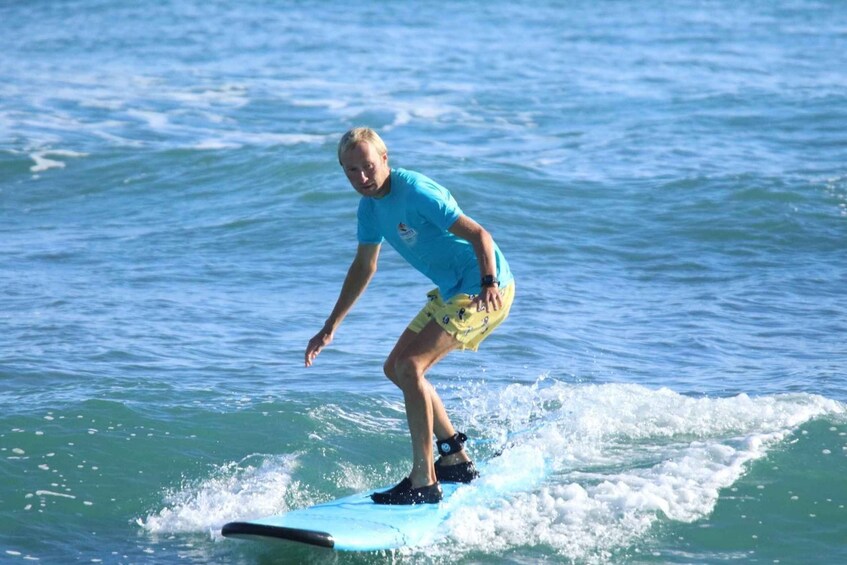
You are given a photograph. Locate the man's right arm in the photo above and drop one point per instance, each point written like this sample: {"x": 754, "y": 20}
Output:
{"x": 358, "y": 276}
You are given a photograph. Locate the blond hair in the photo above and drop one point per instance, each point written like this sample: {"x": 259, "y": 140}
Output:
{"x": 358, "y": 135}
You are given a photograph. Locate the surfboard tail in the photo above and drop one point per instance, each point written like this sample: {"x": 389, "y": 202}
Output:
{"x": 264, "y": 531}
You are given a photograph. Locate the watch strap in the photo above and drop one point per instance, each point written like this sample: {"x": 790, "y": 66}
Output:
{"x": 489, "y": 280}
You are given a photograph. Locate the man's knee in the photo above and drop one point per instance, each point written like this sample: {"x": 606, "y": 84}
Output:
{"x": 390, "y": 370}
{"x": 403, "y": 371}
{"x": 407, "y": 372}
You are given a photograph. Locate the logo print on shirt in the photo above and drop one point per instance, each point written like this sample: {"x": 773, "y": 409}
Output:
{"x": 407, "y": 234}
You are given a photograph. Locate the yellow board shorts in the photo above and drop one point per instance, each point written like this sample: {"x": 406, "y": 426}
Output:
{"x": 459, "y": 318}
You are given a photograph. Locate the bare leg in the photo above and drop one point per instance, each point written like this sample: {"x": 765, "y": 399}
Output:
{"x": 419, "y": 416}
{"x": 441, "y": 422}
{"x": 444, "y": 428}
{"x": 407, "y": 365}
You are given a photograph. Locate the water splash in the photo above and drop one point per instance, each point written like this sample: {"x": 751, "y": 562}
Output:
{"x": 258, "y": 485}
{"x": 619, "y": 460}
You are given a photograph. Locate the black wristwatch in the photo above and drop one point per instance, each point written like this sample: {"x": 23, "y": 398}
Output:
{"x": 489, "y": 280}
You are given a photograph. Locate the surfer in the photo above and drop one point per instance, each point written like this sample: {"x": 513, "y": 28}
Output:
{"x": 422, "y": 221}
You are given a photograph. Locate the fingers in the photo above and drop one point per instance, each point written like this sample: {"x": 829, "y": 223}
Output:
{"x": 488, "y": 301}
{"x": 312, "y": 351}
{"x": 316, "y": 344}
{"x": 311, "y": 354}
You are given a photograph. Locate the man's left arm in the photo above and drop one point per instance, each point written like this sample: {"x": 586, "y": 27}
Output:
{"x": 483, "y": 245}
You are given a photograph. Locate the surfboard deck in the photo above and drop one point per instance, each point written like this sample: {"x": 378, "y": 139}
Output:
{"x": 355, "y": 523}
{"x": 352, "y": 523}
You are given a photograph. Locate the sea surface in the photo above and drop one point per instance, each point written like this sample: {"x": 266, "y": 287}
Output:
{"x": 667, "y": 179}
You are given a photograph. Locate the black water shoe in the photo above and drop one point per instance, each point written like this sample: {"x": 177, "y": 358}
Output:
{"x": 458, "y": 473}
{"x": 403, "y": 493}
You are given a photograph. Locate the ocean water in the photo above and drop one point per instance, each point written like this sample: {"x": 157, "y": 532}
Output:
{"x": 668, "y": 181}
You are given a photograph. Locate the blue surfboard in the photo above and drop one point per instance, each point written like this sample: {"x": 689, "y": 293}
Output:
{"x": 352, "y": 523}
{"x": 355, "y": 523}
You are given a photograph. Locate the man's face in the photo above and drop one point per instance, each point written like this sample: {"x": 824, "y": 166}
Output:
{"x": 366, "y": 170}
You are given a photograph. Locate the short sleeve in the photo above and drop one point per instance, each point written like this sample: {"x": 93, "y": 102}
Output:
{"x": 437, "y": 206}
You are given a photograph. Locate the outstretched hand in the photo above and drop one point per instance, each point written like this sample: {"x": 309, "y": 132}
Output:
{"x": 316, "y": 344}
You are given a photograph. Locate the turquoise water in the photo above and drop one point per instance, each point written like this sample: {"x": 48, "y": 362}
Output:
{"x": 668, "y": 183}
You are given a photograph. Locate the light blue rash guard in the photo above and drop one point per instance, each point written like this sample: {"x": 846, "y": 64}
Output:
{"x": 414, "y": 217}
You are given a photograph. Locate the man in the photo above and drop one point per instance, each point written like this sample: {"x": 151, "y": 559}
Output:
{"x": 474, "y": 293}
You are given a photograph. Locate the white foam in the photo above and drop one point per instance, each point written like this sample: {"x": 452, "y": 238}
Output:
{"x": 588, "y": 470}
{"x": 256, "y": 486}
{"x": 215, "y": 144}
{"x": 157, "y": 121}
{"x": 280, "y": 138}
{"x": 617, "y": 459}
{"x": 230, "y": 95}
{"x": 328, "y": 103}
{"x": 42, "y": 163}
{"x": 51, "y": 493}
{"x": 236, "y": 139}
